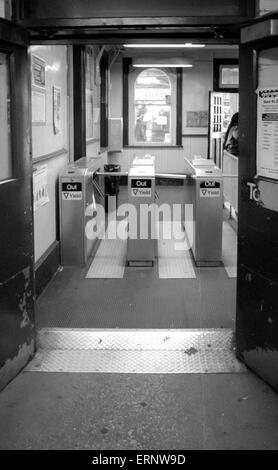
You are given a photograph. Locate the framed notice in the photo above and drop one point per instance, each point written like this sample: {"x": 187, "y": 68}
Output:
{"x": 197, "y": 118}
{"x": 38, "y": 91}
{"x": 57, "y": 116}
{"x": 38, "y": 72}
{"x": 267, "y": 132}
{"x": 225, "y": 75}
{"x": 38, "y": 108}
{"x": 40, "y": 187}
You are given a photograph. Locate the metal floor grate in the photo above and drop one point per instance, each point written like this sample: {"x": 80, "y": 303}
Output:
{"x": 136, "y": 351}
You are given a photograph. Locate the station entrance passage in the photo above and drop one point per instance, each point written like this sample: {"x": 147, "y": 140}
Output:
{"x": 155, "y": 292}
{"x": 147, "y": 283}
{"x": 173, "y": 317}
{"x": 121, "y": 294}
{"x": 256, "y": 342}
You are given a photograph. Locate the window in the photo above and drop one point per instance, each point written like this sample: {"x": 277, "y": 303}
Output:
{"x": 6, "y": 169}
{"x": 152, "y": 107}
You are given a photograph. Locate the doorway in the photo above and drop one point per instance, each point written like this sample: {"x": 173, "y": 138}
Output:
{"x": 175, "y": 294}
{"x": 248, "y": 267}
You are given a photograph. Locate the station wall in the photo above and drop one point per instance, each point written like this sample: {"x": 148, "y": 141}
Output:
{"x": 52, "y": 140}
{"x": 196, "y": 85}
{"x": 50, "y": 146}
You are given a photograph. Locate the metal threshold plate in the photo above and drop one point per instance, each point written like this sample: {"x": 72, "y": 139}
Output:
{"x": 136, "y": 351}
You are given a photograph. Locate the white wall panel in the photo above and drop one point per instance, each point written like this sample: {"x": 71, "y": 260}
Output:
{"x": 45, "y": 217}
{"x": 45, "y": 142}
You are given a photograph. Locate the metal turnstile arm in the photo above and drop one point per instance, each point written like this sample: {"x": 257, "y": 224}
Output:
{"x": 112, "y": 173}
{"x": 176, "y": 176}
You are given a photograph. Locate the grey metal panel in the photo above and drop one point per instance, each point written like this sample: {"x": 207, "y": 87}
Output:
{"x": 135, "y": 339}
{"x": 136, "y": 362}
{"x": 137, "y": 351}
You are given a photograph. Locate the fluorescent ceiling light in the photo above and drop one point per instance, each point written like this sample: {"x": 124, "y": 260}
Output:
{"x": 164, "y": 46}
{"x": 161, "y": 62}
{"x": 189, "y": 44}
{"x": 163, "y": 65}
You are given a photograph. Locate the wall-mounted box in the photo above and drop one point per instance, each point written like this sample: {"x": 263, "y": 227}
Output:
{"x": 115, "y": 134}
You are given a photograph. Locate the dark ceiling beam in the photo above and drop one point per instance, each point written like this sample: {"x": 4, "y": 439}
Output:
{"x": 131, "y": 10}
{"x": 132, "y": 22}
{"x": 13, "y": 34}
{"x": 107, "y": 40}
{"x": 77, "y": 20}
{"x": 210, "y": 34}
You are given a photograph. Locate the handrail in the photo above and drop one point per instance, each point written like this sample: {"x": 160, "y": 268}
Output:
{"x": 230, "y": 176}
{"x": 180, "y": 176}
{"x": 176, "y": 176}
{"x": 111, "y": 173}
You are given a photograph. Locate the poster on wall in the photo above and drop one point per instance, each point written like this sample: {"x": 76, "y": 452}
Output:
{"x": 197, "y": 118}
{"x": 267, "y": 132}
{"x": 40, "y": 187}
{"x": 38, "y": 91}
{"x": 57, "y": 117}
{"x": 38, "y": 72}
{"x": 38, "y": 108}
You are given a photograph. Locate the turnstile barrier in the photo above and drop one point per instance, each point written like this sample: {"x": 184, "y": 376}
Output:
{"x": 204, "y": 190}
{"x": 80, "y": 190}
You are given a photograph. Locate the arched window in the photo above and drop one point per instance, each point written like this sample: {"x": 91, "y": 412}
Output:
{"x": 152, "y": 107}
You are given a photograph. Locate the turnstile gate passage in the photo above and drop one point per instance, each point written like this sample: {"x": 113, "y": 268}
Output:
{"x": 141, "y": 195}
{"x": 80, "y": 191}
{"x": 204, "y": 190}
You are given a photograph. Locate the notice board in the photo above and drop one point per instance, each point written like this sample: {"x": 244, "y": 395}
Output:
{"x": 267, "y": 132}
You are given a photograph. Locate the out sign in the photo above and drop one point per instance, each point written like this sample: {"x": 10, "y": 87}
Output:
{"x": 210, "y": 189}
{"x": 72, "y": 191}
{"x": 141, "y": 187}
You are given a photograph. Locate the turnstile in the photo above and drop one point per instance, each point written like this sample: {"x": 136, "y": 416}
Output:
{"x": 204, "y": 190}
{"x": 80, "y": 191}
{"x": 141, "y": 195}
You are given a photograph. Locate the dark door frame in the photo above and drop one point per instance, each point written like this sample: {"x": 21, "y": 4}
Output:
{"x": 79, "y": 104}
{"x": 17, "y": 334}
{"x": 68, "y": 32}
{"x": 257, "y": 286}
